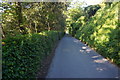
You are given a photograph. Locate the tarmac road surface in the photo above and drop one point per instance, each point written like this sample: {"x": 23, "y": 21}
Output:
{"x": 73, "y": 59}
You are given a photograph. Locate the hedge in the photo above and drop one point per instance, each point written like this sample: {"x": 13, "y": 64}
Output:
{"x": 101, "y": 32}
{"x": 22, "y": 54}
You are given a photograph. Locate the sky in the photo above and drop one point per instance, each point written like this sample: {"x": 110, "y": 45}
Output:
{"x": 89, "y": 2}
{"x": 86, "y": 3}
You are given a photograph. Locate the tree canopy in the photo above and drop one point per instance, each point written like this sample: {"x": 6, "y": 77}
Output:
{"x": 34, "y": 17}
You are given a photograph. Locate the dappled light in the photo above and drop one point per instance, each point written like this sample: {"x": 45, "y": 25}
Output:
{"x": 100, "y": 30}
{"x": 100, "y": 69}
{"x": 81, "y": 51}
{"x": 32, "y": 30}
{"x": 100, "y": 60}
{"x": 85, "y": 50}
{"x": 95, "y": 56}
{"x": 96, "y": 62}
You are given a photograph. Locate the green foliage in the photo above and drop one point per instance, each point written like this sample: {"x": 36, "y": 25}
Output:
{"x": 101, "y": 32}
{"x": 74, "y": 15}
{"x": 26, "y": 17}
{"x": 27, "y": 35}
{"x": 90, "y": 11}
{"x": 79, "y": 16}
{"x": 22, "y": 54}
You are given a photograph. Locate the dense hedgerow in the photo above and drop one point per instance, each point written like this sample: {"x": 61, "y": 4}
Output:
{"x": 101, "y": 32}
{"x": 22, "y": 54}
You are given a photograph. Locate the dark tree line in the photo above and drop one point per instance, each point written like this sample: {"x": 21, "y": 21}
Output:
{"x": 32, "y": 17}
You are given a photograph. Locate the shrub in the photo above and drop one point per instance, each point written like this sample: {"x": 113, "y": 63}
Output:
{"x": 22, "y": 54}
{"x": 101, "y": 32}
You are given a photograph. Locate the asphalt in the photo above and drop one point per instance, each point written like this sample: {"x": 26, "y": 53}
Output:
{"x": 73, "y": 59}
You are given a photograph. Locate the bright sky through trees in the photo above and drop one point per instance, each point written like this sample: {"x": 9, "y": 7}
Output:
{"x": 85, "y": 2}
{"x": 89, "y": 2}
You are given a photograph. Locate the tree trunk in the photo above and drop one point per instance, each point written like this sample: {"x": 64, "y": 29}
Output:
{"x": 48, "y": 26}
{"x": 19, "y": 16}
{"x": 2, "y": 32}
{"x": 35, "y": 27}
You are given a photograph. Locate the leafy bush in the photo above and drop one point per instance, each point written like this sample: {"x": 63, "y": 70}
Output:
{"x": 22, "y": 54}
{"x": 77, "y": 17}
{"x": 101, "y": 32}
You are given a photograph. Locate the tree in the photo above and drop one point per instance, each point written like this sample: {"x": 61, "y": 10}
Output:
{"x": 90, "y": 11}
{"x": 24, "y": 17}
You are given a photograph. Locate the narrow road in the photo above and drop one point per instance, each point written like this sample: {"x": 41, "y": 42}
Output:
{"x": 73, "y": 59}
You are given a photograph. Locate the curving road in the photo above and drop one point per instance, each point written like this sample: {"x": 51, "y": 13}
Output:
{"x": 73, "y": 59}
